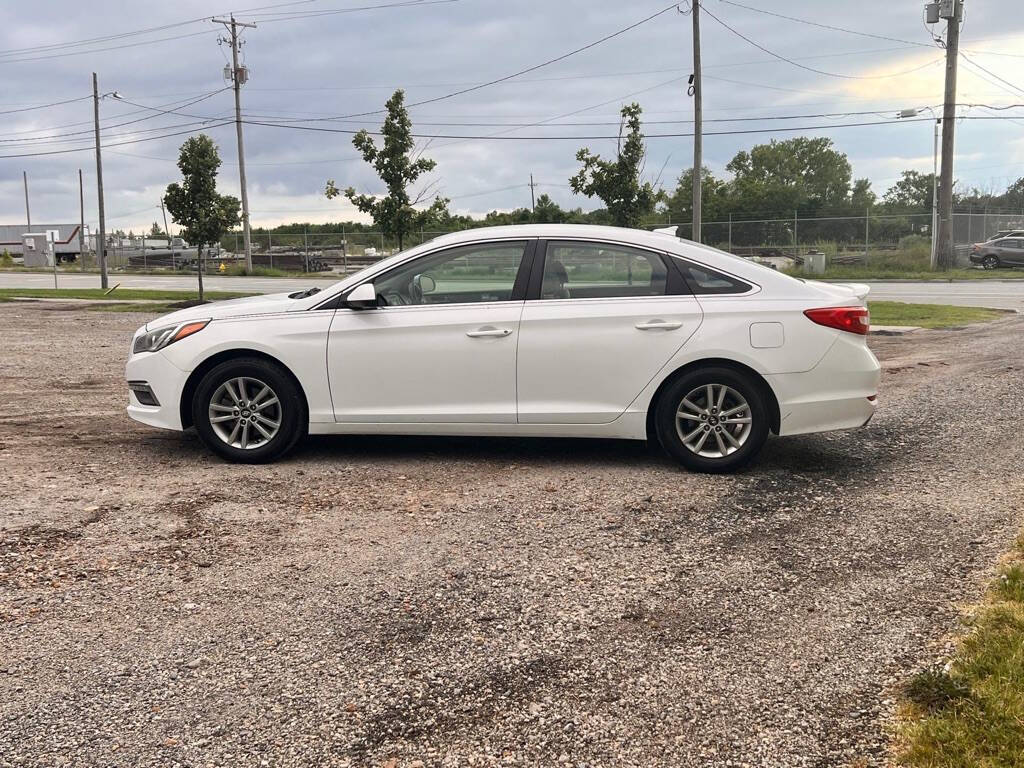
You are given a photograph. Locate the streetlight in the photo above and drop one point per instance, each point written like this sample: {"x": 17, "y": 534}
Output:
{"x": 935, "y": 175}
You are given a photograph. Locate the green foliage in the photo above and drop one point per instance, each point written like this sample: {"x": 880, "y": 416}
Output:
{"x": 398, "y": 167}
{"x": 617, "y": 182}
{"x": 929, "y": 315}
{"x": 913, "y": 192}
{"x": 155, "y": 231}
{"x": 792, "y": 173}
{"x": 6, "y": 260}
{"x": 973, "y": 714}
{"x": 194, "y": 204}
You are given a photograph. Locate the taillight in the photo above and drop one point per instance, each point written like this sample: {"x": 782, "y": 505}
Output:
{"x": 850, "y": 319}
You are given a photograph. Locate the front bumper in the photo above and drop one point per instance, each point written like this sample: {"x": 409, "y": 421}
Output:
{"x": 975, "y": 258}
{"x": 166, "y": 382}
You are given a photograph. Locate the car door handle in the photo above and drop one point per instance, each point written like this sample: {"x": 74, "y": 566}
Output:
{"x": 658, "y": 325}
{"x": 488, "y": 330}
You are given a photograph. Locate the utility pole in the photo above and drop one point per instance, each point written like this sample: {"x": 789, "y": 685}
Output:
{"x": 102, "y": 251}
{"x": 81, "y": 219}
{"x": 952, "y": 11}
{"x": 698, "y": 161}
{"x": 533, "y": 202}
{"x": 28, "y": 215}
{"x": 240, "y": 75}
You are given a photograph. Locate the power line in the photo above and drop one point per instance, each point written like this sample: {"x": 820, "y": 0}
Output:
{"x": 11, "y": 56}
{"x": 827, "y": 26}
{"x": 45, "y": 106}
{"x": 533, "y": 68}
{"x": 973, "y": 63}
{"x": 598, "y": 138}
{"x": 812, "y": 69}
{"x": 291, "y": 16}
{"x": 100, "y": 50}
{"x": 120, "y": 143}
{"x": 45, "y": 139}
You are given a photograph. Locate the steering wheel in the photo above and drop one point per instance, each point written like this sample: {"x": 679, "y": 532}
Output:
{"x": 394, "y": 298}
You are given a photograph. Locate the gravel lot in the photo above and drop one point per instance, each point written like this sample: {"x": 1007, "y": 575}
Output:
{"x": 420, "y": 602}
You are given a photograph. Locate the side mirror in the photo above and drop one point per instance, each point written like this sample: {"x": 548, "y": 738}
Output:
{"x": 425, "y": 283}
{"x": 362, "y": 297}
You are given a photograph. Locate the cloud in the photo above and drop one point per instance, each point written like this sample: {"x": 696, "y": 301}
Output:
{"x": 349, "y": 63}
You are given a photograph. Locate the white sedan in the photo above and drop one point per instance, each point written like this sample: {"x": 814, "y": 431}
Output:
{"x": 539, "y": 330}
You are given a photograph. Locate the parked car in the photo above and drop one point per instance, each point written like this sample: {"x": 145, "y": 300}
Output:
{"x": 1006, "y": 233}
{"x": 539, "y": 330}
{"x": 1005, "y": 252}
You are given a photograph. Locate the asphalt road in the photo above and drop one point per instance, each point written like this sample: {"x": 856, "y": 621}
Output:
{"x": 1001, "y": 294}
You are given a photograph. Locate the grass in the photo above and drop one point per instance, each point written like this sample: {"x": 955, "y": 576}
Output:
{"x": 971, "y": 711}
{"x": 929, "y": 315}
{"x": 118, "y": 294}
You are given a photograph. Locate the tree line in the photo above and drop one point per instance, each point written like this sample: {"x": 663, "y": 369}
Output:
{"x": 768, "y": 186}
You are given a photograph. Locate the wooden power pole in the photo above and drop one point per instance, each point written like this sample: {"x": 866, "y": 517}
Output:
{"x": 240, "y": 75}
{"x": 945, "y": 252}
{"x": 101, "y": 253}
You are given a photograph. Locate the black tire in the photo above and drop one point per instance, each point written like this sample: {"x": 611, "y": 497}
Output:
{"x": 990, "y": 262}
{"x": 290, "y": 410}
{"x": 671, "y": 401}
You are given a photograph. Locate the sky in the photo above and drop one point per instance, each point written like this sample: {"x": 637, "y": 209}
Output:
{"x": 330, "y": 58}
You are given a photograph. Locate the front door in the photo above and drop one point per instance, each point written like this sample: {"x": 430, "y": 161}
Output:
{"x": 441, "y": 345}
{"x": 604, "y": 319}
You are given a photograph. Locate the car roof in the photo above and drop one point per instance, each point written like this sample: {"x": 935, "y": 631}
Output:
{"x": 555, "y": 231}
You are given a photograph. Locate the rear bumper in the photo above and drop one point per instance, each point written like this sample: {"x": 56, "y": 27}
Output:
{"x": 165, "y": 380}
{"x": 834, "y": 394}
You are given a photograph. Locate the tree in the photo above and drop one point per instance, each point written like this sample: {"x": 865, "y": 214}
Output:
{"x": 155, "y": 231}
{"x": 617, "y": 182}
{"x": 912, "y": 193}
{"x": 796, "y": 174}
{"x": 203, "y": 214}
{"x": 398, "y": 167}
{"x": 715, "y": 198}
{"x": 547, "y": 211}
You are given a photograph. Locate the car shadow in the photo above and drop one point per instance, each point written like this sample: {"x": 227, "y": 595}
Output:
{"x": 485, "y": 449}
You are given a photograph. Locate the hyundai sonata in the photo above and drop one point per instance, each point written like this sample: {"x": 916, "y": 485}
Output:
{"x": 539, "y": 330}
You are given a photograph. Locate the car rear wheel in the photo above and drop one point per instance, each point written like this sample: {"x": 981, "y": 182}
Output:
{"x": 712, "y": 420}
{"x": 990, "y": 262}
{"x": 249, "y": 410}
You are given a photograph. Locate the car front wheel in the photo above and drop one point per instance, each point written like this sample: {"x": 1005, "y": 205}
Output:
{"x": 990, "y": 262}
{"x": 712, "y": 420}
{"x": 248, "y": 410}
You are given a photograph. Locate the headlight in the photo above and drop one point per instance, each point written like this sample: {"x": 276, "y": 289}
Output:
{"x": 161, "y": 337}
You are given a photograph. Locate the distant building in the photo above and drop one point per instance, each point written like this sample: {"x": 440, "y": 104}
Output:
{"x": 67, "y": 243}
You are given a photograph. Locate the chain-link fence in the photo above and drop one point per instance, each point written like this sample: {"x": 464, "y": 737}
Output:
{"x": 846, "y": 239}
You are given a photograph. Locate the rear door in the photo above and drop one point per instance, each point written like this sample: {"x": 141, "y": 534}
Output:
{"x": 601, "y": 319}
{"x": 1012, "y": 252}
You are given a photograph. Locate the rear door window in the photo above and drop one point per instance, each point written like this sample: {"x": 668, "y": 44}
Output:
{"x": 592, "y": 270}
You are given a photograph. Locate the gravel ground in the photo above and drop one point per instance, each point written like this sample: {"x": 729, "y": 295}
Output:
{"x": 419, "y": 602}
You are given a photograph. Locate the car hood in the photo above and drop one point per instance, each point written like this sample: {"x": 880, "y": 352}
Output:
{"x": 220, "y": 310}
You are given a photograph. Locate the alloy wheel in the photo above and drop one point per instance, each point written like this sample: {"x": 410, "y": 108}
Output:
{"x": 245, "y": 413}
{"x": 713, "y": 421}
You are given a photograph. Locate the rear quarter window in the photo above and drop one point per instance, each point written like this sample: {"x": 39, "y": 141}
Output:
{"x": 704, "y": 281}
